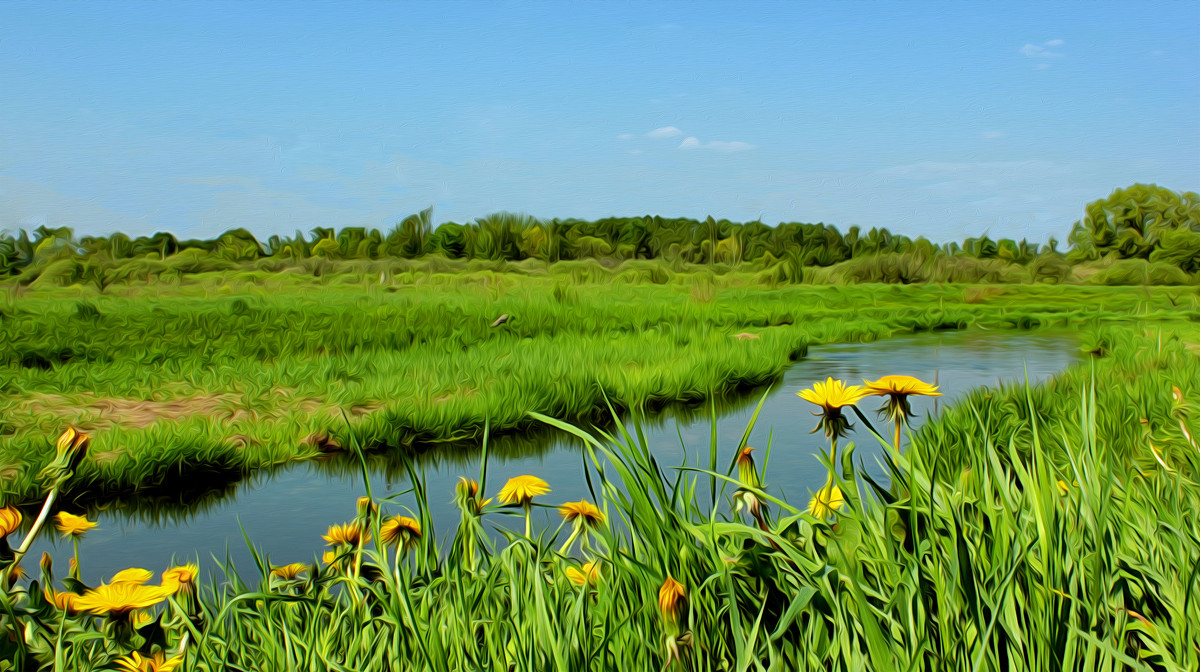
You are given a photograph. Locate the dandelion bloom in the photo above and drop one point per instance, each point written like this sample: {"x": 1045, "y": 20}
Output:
{"x": 522, "y": 489}
{"x": 400, "y": 529}
{"x": 347, "y": 533}
{"x": 61, "y": 601}
{"x": 132, "y": 575}
{"x": 10, "y": 520}
{"x": 289, "y": 572}
{"x": 180, "y": 577}
{"x": 832, "y": 395}
{"x": 827, "y": 500}
{"x": 589, "y": 574}
{"x": 136, "y": 662}
{"x": 119, "y": 598}
{"x": 71, "y": 525}
{"x": 670, "y": 598}
{"x": 582, "y": 511}
{"x": 897, "y": 389}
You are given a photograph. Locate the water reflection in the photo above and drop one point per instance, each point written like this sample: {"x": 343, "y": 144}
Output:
{"x": 285, "y": 511}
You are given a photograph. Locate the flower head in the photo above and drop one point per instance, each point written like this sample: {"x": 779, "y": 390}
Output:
{"x": 119, "y": 598}
{"x": 62, "y": 601}
{"x": 183, "y": 576}
{"x": 289, "y": 572}
{"x": 670, "y": 598}
{"x": 827, "y": 500}
{"x": 71, "y": 525}
{"x": 10, "y": 520}
{"x": 522, "y": 489}
{"x": 351, "y": 534}
{"x": 582, "y": 512}
{"x": 897, "y": 389}
{"x": 136, "y": 662}
{"x": 588, "y": 574}
{"x": 133, "y": 575}
{"x": 833, "y": 395}
{"x": 400, "y": 530}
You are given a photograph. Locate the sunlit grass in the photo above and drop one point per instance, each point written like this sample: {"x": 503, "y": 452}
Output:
{"x": 1024, "y": 529}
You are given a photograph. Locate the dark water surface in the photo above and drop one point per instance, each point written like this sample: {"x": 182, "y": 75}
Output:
{"x": 286, "y": 512}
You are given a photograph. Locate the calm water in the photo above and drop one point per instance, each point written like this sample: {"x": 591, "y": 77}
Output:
{"x": 286, "y": 512}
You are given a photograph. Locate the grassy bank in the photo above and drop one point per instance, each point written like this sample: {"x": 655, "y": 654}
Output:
{"x": 226, "y": 376}
{"x": 1052, "y": 537}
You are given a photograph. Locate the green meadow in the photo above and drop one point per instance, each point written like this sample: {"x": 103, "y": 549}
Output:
{"x": 226, "y": 374}
{"x": 1037, "y": 528}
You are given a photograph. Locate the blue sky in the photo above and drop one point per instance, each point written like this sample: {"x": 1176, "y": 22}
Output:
{"x": 944, "y": 120}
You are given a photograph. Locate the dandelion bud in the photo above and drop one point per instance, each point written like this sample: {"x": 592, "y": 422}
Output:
{"x": 47, "y": 563}
{"x": 671, "y": 598}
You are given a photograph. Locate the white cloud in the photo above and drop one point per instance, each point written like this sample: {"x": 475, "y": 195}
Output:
{"x": 1042, "y": 50}
{"x": 692, "y": 142}
{"x": 625, "y": 136}
{"x": 992, "y": 135}
{"x": 734, "y": 146}
{"x": 664, "y": 132}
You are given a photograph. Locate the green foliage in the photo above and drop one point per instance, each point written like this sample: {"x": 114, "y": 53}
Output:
{"x": 1139, "y": 222}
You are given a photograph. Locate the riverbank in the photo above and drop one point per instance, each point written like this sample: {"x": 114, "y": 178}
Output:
{"x": 1017, "y": 555}
{"x": 200, "y": 382}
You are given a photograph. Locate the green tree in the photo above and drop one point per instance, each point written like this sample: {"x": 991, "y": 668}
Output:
{"x": 1134, "y": 223}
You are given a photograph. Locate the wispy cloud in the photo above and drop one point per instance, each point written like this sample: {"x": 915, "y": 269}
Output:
{"x": 1043, "y": 50}
{"x": 692, "y": 142}
{"x": 625, "y": 136}
{"x": 664, "y": 132}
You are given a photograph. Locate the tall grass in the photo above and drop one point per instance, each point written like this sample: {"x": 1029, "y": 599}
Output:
{"x": 1053, "y": 544}
{"x": 227, "y": 379}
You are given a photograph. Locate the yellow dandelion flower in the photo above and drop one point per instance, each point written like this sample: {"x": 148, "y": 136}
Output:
{"x": 119, "y": 598}
{"x": 522, "y": 489}
{"x": 400, "y": 529}
{"x": 898, "y": 389}
{"x": 586, "y": 512}
{"x": 183, "y": 576}
{"x": 71, "y": 525}
{"x": 827, "y": 500}
{"x": 62, "y": 601}
{"x": 136, "y": 662}
{"x": 347, "y": 533}
{"x": 132, "y": 575}
{"x": 588, "y": 574}
{"x": 10, "y": 520}
{"x": 670, "y": 598}
{"x": 289, "y": 572}
{"x": 906, "y": 385}
{"x": 833, "y": 394}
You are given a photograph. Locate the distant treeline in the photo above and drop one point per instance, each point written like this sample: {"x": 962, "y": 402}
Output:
{"x": 1157, "y": 226}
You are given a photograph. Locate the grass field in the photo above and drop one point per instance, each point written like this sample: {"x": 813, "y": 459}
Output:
{"x": 228, "y": 374}
{"x": 1024, "y": 529}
